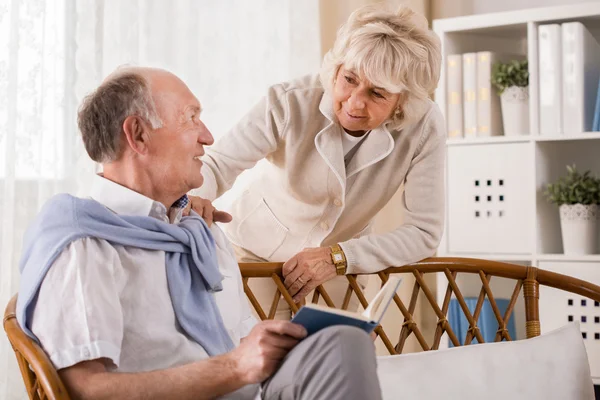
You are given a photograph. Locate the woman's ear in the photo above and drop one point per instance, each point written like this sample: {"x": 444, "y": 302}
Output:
{"x": 398, "y": 112}
{"x": 137, "y": 134}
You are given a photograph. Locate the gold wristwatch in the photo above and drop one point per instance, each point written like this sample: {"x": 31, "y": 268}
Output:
{"x": 339, "y": 259}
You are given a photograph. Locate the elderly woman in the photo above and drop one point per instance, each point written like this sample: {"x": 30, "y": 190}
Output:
{"x": 338, "y": 147}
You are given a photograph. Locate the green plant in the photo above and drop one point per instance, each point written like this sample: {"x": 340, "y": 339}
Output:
{"x": 575, "y": 188}
{"x": 512, "y": 73}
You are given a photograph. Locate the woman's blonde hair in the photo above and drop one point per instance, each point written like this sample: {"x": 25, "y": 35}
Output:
{"x": 392, "y": 50}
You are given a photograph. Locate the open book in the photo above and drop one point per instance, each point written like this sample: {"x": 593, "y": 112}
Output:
{"x": 315, "y": 317}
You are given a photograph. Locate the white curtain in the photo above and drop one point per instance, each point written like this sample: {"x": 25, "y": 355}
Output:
{"x": 53, "y": 52}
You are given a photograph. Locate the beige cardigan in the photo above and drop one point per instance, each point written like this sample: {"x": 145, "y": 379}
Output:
{"x": 304, "y": 196}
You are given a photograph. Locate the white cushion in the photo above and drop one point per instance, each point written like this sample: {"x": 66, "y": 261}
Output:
{"x": 551, "y": 366}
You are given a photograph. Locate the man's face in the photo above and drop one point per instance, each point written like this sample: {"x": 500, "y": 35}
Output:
{"x": 175, "y": 148}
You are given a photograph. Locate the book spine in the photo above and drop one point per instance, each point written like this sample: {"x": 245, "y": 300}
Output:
{"x": 550, "y": 78}
{"x": 489, "y": 117}
{"x": 591, "y": 77}
{"x": 581, "y": 70}
{"x": 470, "y": 94}
{"x": 596, "y": 125}
{"x": 454, "y": 98}
{"x": 572, "y": 70}
{"x": 369, "y": 326}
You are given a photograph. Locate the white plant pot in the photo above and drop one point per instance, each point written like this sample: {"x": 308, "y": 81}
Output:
{"x": 515, "y": 110}
{"x": 579, "y": 226}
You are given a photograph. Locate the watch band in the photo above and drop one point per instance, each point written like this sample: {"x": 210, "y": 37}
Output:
{"x": 339, "y": 259}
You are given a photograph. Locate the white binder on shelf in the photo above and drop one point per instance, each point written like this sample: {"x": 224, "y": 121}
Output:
{"x": 489, "y": 114}
{"x": 469, "y": 67}
{"x": 550, "y": 79}
{"x": 454, "y": 114}
{"x": 581, "y": 70}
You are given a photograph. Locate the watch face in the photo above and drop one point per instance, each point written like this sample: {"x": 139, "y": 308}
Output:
{"x": 337, "y": 257}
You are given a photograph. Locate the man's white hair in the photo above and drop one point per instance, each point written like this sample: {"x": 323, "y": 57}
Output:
{"x": 392, "y": 50}
{"x": 123, "y": 93}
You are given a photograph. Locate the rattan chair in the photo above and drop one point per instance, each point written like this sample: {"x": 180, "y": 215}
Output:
{"x": 527, "y": 280}
{"x": 43, "y": 382}
{"x": 39, "y": 375}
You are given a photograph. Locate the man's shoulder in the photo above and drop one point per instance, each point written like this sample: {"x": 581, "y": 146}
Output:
{"x": 87, "y": 252}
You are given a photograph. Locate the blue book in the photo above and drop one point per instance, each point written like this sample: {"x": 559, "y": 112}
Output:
{"x": 596, "y": 124}
{"x": 487, "y": 322}
{"x": 315, "y": 317}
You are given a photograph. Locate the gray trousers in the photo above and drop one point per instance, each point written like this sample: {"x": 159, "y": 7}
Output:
{"x": 334, "y": 363}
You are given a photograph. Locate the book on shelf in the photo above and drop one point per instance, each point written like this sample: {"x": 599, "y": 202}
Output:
{"x": 596, "y": 124}
{"x": 469, "y": 81}
{"x": 315, "y": 317}
{"x": 550, "y": 79}
{"x": 581, "y": 71}
{"x": 454, "y": 111}
{"x": 489, "y": 114}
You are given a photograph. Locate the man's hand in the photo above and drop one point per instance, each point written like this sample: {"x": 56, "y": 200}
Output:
{"x": 307, "y": 270}
{"x": 206, "y": 210}
{"x": 258, "y": 356}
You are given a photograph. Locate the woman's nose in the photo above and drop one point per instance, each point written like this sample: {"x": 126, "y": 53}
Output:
{"x": 356, "y": 100}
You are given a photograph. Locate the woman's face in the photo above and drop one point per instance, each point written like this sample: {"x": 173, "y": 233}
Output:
{"x": 358, "y": 106}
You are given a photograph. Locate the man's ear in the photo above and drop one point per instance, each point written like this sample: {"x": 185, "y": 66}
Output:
{"x": 137, "y": 134}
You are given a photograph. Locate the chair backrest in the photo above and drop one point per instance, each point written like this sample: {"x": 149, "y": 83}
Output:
{"x": 39, "y": 375}
{"x": 527, "y": 280}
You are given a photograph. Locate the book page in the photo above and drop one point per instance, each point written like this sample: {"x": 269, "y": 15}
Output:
{"x": 382, "y": 299}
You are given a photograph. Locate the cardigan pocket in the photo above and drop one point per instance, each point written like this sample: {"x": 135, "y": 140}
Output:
{"x": 261, "y": 232}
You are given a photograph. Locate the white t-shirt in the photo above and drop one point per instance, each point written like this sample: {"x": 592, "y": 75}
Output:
{"x": 349, "y": 141}
{"x": 100, "y": 300}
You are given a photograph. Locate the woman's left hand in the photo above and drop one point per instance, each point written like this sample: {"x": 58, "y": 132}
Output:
{"x": 307, "y": 270}
{"x": 206, "y": 210}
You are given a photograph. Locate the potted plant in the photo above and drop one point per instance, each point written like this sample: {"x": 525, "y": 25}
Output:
{"x": 578, "y": 197}
{"x": 512, "y": 81}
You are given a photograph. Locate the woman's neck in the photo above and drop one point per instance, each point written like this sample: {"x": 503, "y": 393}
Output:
{"x": 356, "y": 133}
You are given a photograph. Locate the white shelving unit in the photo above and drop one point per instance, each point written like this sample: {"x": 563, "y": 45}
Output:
{"x": 495, "y": 207}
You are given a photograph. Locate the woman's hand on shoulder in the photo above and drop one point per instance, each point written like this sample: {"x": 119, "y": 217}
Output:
{"x": 206, "y": 210}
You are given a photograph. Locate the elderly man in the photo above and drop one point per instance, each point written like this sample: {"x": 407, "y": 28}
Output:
{"x": 130, "y": 300}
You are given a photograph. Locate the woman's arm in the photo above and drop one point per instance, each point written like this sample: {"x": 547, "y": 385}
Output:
{"x": 253, "y": 138}
{"x": 417, "y": 238}
{"x": 423, "y": 202}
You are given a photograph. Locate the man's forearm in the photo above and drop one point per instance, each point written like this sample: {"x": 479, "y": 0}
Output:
{"x": 204, "y": 379}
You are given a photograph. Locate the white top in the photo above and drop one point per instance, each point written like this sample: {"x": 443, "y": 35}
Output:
{"x": 349, "y": 141}
{"x": 100, "y": 300}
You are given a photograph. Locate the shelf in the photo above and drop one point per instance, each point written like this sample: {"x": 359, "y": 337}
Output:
{"x": 522, "y": 138}
{"x": 488, "y": 140}
{"x": 564, "y": 138}
{"x": 490, "y": 23}
{"x": 564, "y": 257}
